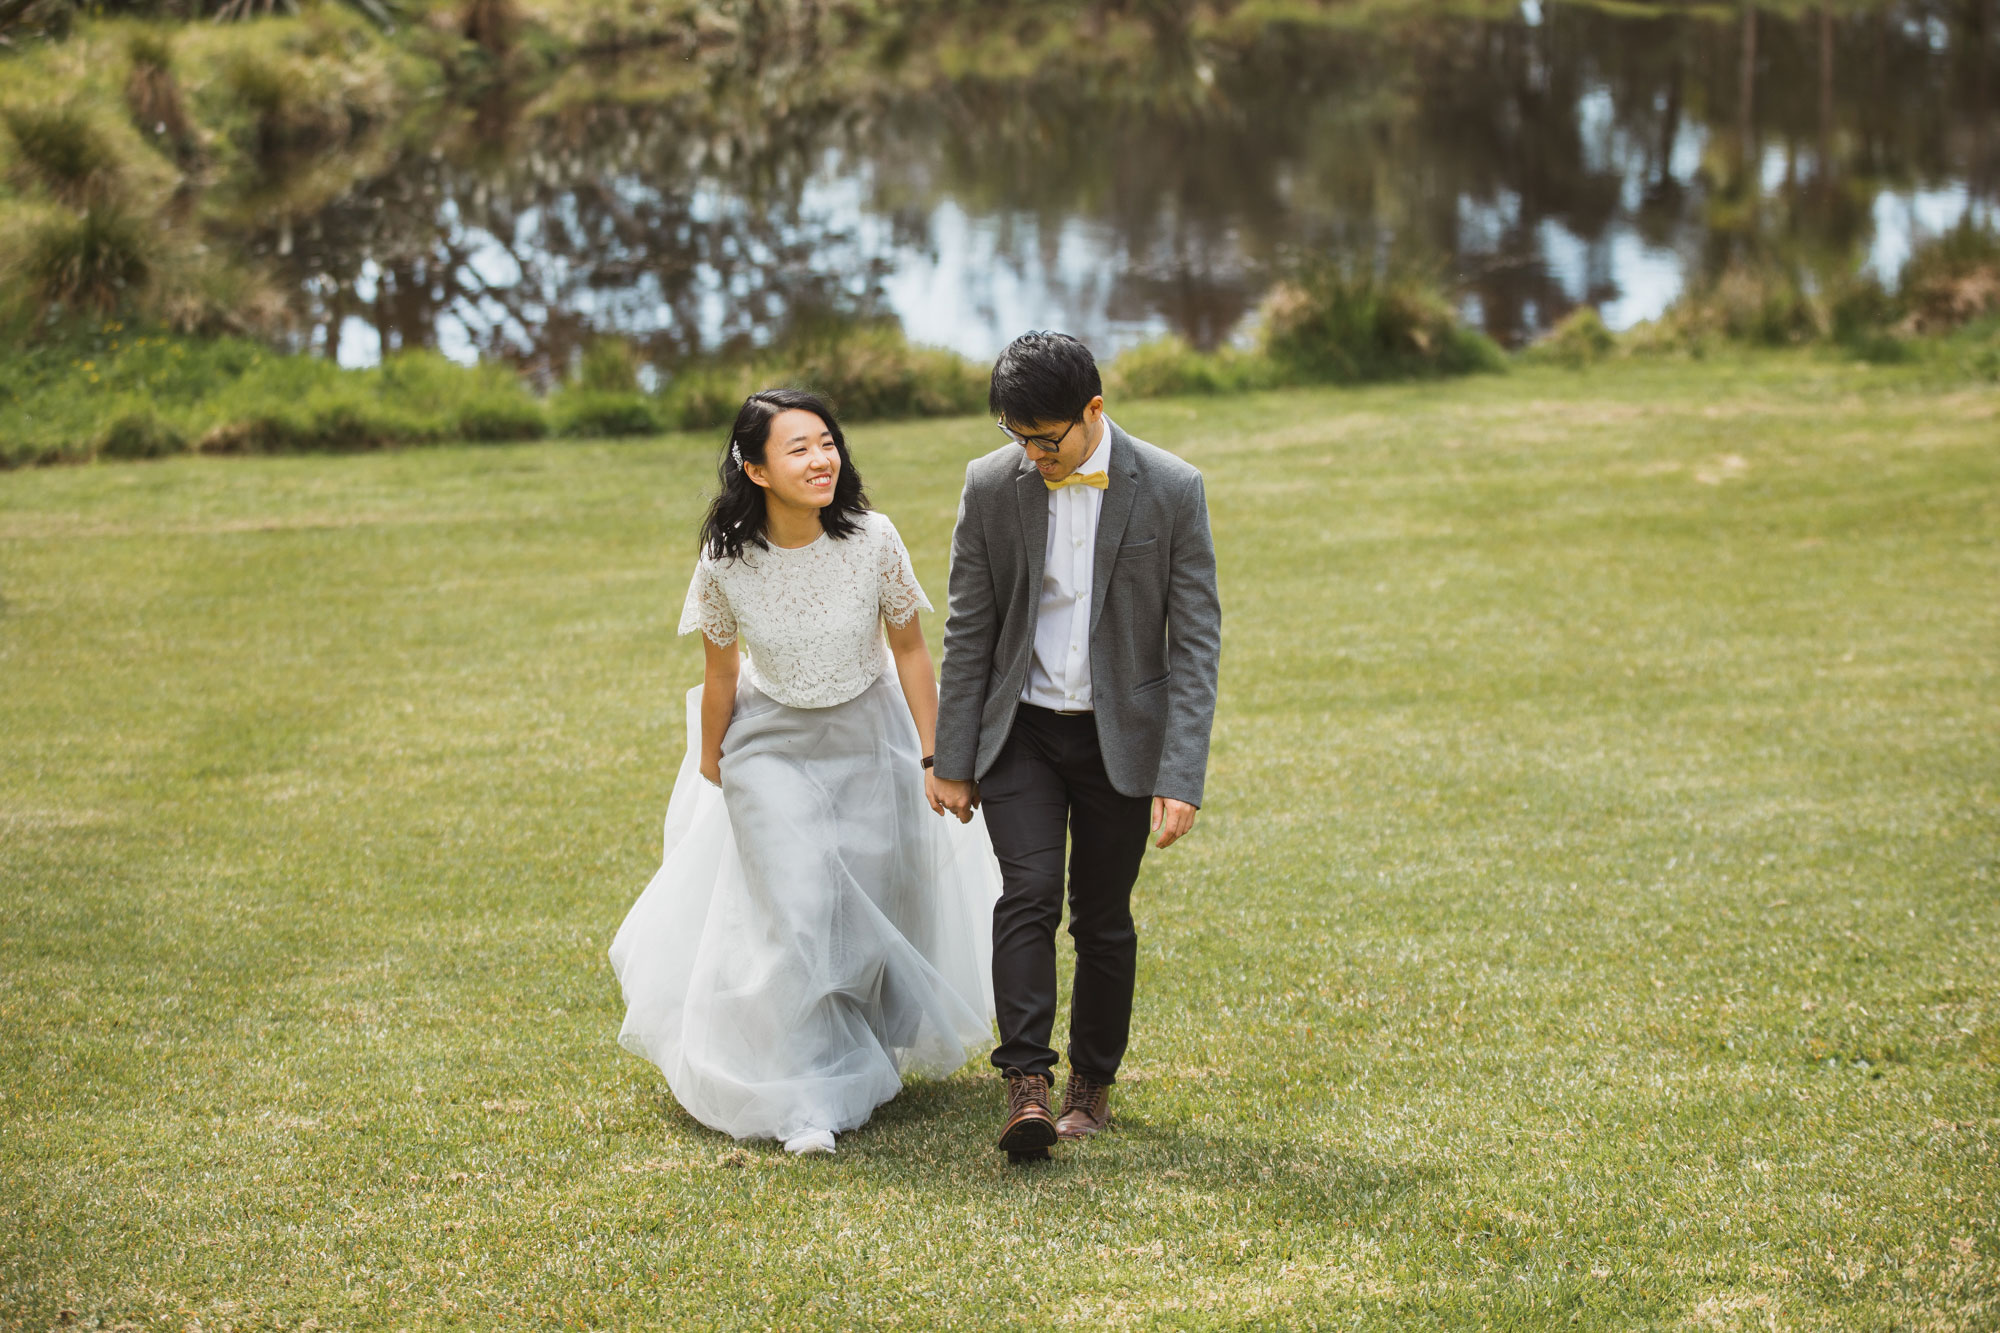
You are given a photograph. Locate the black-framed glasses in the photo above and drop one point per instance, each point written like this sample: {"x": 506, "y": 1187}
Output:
{"x": 1041, "y": 442}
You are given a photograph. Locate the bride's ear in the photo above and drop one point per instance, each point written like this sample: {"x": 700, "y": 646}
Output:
{"x": 758, "y": 476}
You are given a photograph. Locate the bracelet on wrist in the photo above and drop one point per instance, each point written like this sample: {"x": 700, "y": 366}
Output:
{"x": 927, "y": 760}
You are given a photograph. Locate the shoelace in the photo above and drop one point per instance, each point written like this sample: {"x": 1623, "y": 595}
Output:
{"x": 1022, "y": 1091}
{"x": 1081, "y": 1095}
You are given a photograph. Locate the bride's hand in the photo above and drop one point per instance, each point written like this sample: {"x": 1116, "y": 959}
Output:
{"x": 713, "y": 772}
{"x": 948, "y": 797}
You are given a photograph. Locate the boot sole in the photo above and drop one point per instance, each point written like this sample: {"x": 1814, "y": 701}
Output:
{"x": 1028, "y": 1135}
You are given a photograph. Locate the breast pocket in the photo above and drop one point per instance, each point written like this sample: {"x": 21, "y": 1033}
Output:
{"x": 1137, "y": 553}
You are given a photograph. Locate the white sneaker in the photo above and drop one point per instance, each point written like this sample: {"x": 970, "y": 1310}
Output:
{"x": 813, "y": 1140}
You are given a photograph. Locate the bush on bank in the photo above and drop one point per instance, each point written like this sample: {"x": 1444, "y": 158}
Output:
{"x": 1942, "y": 309}
{"x": 1324, "y": 323}
{"x": 113, "y": 389}
{"x": 117, "y": 390}
{"x": 110, "y": 388}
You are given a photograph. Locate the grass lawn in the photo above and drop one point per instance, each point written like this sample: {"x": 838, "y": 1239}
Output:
{"x": 1595, "y": 920}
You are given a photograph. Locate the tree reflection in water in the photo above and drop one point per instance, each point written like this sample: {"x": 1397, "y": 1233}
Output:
{"x": 1139, "y": 187}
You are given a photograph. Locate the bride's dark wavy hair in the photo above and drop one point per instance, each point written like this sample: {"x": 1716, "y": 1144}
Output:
{"x": 736, "y": 519}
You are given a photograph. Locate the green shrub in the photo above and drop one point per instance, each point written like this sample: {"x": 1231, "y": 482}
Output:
{"x": 61, "y": 149}
{"x": 93, "y": 261}
{"x": 514, "y": 417}
{"x": 867, "y": 370}
{"x": 1166, "y": 367}
{"x": 140, "y": 432}
{"x": 1952, "y": 280}
{"x": 1579, "y": 339}
{"x": 593, "y": 414}
{"x": 153, "y": 93}
{"x": 1329, "y": 324}
{"x": 702, "y": 396}
{"x": 1765, "y": 305}
{"x": 609, "y": 365}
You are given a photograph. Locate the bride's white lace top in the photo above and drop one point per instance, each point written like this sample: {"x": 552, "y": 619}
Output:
{"x": 810, "y": 617}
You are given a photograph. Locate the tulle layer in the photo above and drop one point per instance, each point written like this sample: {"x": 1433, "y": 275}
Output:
{"x": 814, "y": 931}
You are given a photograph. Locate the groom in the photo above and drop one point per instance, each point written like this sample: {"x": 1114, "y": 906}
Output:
{"x": 1076, "y": 696}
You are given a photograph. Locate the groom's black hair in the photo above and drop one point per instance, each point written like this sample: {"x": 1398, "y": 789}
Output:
{"x": 1043, "y": 378}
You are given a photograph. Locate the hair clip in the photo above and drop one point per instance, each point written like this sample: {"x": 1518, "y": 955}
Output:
{"x": 735, "y": 453}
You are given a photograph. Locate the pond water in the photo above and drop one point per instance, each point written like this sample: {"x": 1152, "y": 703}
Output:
{"x": 1534, "y": 160}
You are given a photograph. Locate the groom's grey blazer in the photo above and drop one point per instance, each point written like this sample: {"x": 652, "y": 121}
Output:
{"x": 1155, "y": 619}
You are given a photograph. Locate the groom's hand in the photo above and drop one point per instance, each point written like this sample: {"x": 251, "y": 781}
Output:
{"x": 954, "y": 798}
{"x": 1171, "y": 819}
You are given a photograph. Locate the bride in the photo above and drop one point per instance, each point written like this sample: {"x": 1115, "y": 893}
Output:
{"x": 814, "y": 932}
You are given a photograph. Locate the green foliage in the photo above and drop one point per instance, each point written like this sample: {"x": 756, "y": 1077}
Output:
{"x": 867, "y": 370}
{"x": 1953, "y": 279}
{"x": 88, "y": 262}
{"x": 1335, "y": 324}
{"x": 1323, "y": 325}
{"x": 124, "y": 391}
{"x": 153, "y": 94}
{"x": 1169, "y": 367}
{"x": 589, "y": 413}
{"x": 1579, "y": 339}
{"x": 63, "y": 151}
{"x": 605, "y": 414}
{"x": 139, "y": 431}
{"x": 609, "y": 365}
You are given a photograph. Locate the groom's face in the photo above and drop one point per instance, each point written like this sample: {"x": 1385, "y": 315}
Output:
{"x": 1058, "y": 448}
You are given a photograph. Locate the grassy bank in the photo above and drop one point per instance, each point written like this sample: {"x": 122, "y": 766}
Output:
{"x": 1593, "y": 921}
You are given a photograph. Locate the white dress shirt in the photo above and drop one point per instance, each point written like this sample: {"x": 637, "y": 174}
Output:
{"x": 1059, "y": 672}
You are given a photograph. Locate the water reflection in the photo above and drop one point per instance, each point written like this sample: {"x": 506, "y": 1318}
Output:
{"x": 1550, "y": 157}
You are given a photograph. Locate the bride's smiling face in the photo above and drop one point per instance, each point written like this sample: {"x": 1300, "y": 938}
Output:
{"x": 800, "y": 463}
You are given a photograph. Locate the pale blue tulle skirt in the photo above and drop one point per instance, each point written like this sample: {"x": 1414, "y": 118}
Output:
{"x": 815, "y": 931}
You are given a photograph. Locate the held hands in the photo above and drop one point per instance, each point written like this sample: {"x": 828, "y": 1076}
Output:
{"x": 1171, "y": 819}
{"x": 954, "y": 798}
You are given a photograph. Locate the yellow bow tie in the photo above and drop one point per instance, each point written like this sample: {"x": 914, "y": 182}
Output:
{"x": 1097, "y": 481}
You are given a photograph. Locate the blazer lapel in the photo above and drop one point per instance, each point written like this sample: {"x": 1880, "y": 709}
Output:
{"x": 1111, "y": 516}
{"x": 1032, "y": 499}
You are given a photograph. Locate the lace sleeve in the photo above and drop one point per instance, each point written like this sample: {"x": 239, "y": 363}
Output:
{"x": 707, "y": 608}
{"x": 902, "y": 595}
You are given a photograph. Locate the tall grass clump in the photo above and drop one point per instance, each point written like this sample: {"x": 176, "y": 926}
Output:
{"x": 1763, "y": 304}
{"x": 868, "y": 369}
{"x": 1951, "y": 280}
{"x": 1170, "y": 367}
{"x": 289, "y": 85}
{"x": 1579, "y": 339}
{"x": 153, "y": 94}
{"x": 83, "y": 263}
{"x": 603, "y": 398}
{"x": 296, "y": 404}
{"x": 1330, "y": 323}
{"x": 1324, "y": 323}
{"x": 118, "y": 390}
{"x": 63, "y": 151}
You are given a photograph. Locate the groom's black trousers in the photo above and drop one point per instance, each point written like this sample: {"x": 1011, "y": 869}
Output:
{"x": 1047, "y": 781}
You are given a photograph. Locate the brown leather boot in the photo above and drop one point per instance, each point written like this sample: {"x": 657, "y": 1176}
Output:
{"x": 1086, "y": 1107}
{"x": 1030, "y": 1128}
